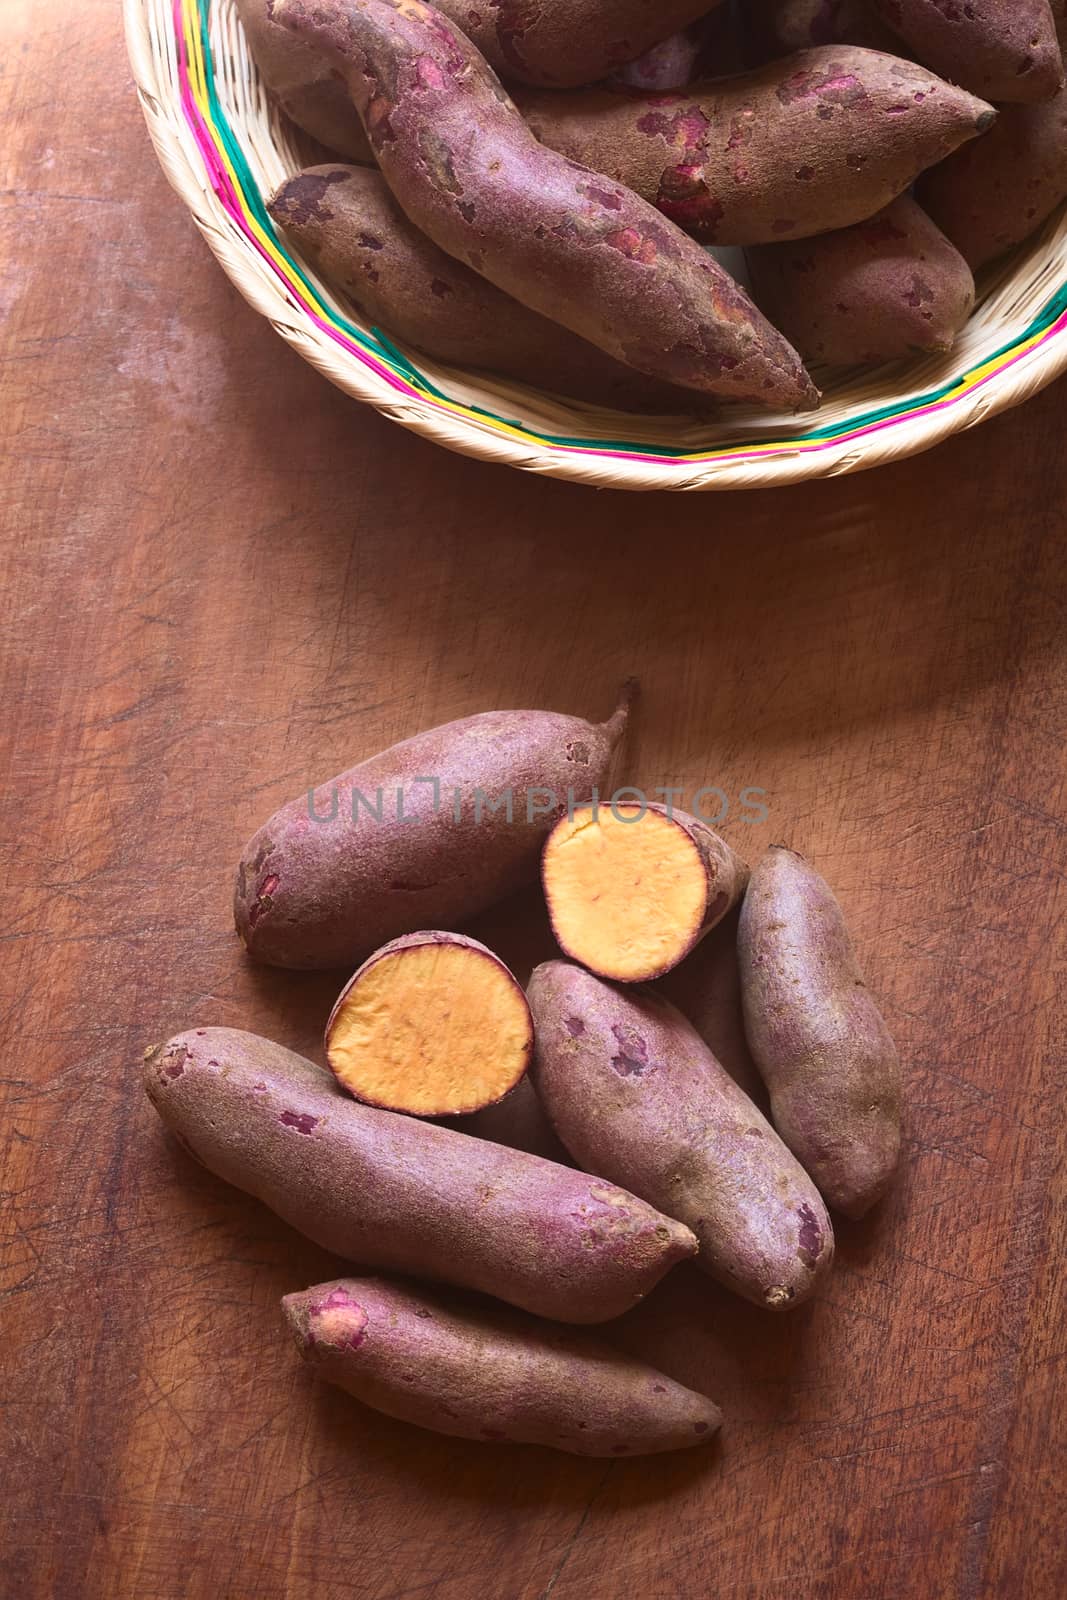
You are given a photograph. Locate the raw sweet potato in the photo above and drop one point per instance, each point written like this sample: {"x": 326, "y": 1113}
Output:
{"x": 397, "y": 1194}
{"x": 778, "y": 27}
{"x": 433, "y": 1024}
{"x": 302, "y": 83}
{"x": 423, "y": 835}
{"x": 518, "y": 1121}
{"x": 709, "y": 48}
{"x": 457, "y": 1366}
{"x": 565, "y": 241}
{"x": 564, "y": 43}
{"x": 1000, "y": 49}
{"x": 797, "y": 147}
{"x": 632, "y": 1089}
{"x": 631, "y": 889}
{"x": 817, "y": 1035}
{"x": 877, "y": 291}
{"x": 345, "y": 221}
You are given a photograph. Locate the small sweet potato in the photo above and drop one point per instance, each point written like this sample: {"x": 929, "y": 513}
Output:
{"x": 878, "y": 291}
{"x": 457, "y": 1366}
{"x": 396, "y": 1194}
{"x": 345, "y": 221}
{"x": 1000, "y": 49}
{"x": 778, "y": 27}
{"x": 798, "y": 147}
{"x": 423, "y": 835}
{"x": 631, "y": 889}
{"x": 817, "y": 1035}
{"x": 302, "y": 83}
{"x": 563, "y": 240}
{"x": 632, "y": 1089}
{"x": 432, "y": 1024}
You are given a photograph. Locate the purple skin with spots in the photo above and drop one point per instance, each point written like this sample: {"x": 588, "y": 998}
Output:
{"x": 798, "y": 147}
{"x": 778, "y": 27}
{"x": 817, "y": 1035}
{"x": 399, "y": 1195}
{"x": 474, "y": 1370}
{"x": 882, "y": 290}
{"x": 303, "y": 83}
{"x": 638, "y": 1093}
{"x": 1000, "y": 49}
{"x": 710, "y": 48}
{"x": 562, "y": 239}
{"x": 321, "y": 891}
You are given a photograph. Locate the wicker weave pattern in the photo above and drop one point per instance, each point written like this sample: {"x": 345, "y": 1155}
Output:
{"x": 223, "y": 147}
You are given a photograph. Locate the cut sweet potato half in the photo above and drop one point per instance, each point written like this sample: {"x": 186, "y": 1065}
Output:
{"x": 433, "y": 1024}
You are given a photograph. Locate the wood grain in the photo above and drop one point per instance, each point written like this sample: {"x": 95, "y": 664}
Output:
{"x": 223, "y": 580}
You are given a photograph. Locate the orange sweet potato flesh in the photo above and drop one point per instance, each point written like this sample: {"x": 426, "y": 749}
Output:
{"x": 462, "y": 1367}
{"x": 396, "y": 1194}
{"x": 301, "y": 81}
{"x": 631, "y": 889}
{"x": 433, "y": 1024}
{"x": 570, "y": 244}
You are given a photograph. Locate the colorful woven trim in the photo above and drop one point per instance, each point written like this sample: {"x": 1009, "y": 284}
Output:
{"x": 238, "y": 192}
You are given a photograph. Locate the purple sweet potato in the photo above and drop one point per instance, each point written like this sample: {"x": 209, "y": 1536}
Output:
{"x": 817, "y": 1035}
{"x": 564, "y": 43}
{"x": 881, "y": 290}
{"x": 518, "y": 1121}
{"x": 565, "y": 241}
{"x": 709, "y": 48}
{"x": 396, "y": 1194}
{"x": 302, "y": 83}
{"x": 421, "y": 835}
{"x": 778, "y": 27}
{"x": 457, "y": 1366}
{"x": 1000, "y": 49}
{"x": 797, "y": 147}
{"x": 632, "y": 1088}
{"x": 345, "y": 221}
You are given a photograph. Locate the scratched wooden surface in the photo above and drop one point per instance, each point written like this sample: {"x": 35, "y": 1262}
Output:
{"x": 222, "y": 580}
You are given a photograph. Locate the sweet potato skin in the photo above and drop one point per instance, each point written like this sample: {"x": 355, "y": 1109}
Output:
{"x": 878, "y": 291}
{"x": 778, "y": 27}
{"x": 345, "y": 221}
{"x": 817, "y": 1036}
{"x": 565, "y": 241}
{"x": 476, "y": 1371}
{"x": 301, "y": 81}
{"x": 396, "y": 1194}
{"x": 794, "y": 148}
{"x": 631, "y": 1087}
{"x": 1000, "y": 49}
{"x": 709, "y": 48}
{"x": 323, "y": 893}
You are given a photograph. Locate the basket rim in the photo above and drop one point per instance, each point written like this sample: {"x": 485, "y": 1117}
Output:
{"x": 211, "y": 176}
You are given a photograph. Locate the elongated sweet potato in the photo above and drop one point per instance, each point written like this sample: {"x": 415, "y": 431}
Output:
{"x": 458, "y": 1366}
{"x": 817, "y": 1035}
{"x": 423, "y": 835}
{"x": 565, "y": 241}
{"x": 433, "y": 1024}
{"x": 302, "y": 83}
{"x": 631, "y": 889}
{"x": 393, "y": 1193}
{"x": 778, "y": 27}
{"x": 564, "y": 43}
{"x": 632, "y": 1089}
{"x": 347, "y": 224}
{"x": 877, "y": 291}
{"x": 797, "y": 147}
{"x": 1000, "y": 49}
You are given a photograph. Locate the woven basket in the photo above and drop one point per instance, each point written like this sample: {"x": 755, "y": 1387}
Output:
{"x": 224, "y": 149}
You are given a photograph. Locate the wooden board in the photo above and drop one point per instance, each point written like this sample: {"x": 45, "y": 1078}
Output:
{"x": 223, "y": 580}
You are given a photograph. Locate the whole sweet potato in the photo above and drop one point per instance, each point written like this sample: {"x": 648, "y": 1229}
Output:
{"x": 563, "y": 43}
{"x": 565, "y": 241}
{"x": 877, "y": 291}
{"x": 347, "y": 224}
{"x": 457, "y": 1366}
{"x": 1000, "y": 49}
{"x": 801, "y": 146}
{"x": 302, "y": 83}
{"x": 423, "y": 835}
{"x": 394, "y": 1193}
{"x": 817, "y": 1035}
{"x": 778, "y": 27}
{"x": 632, "y": 1089}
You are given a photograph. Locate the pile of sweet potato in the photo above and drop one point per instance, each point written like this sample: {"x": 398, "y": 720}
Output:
{"x": 398, "y": 1159}
{"x": 868, "y": 155}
